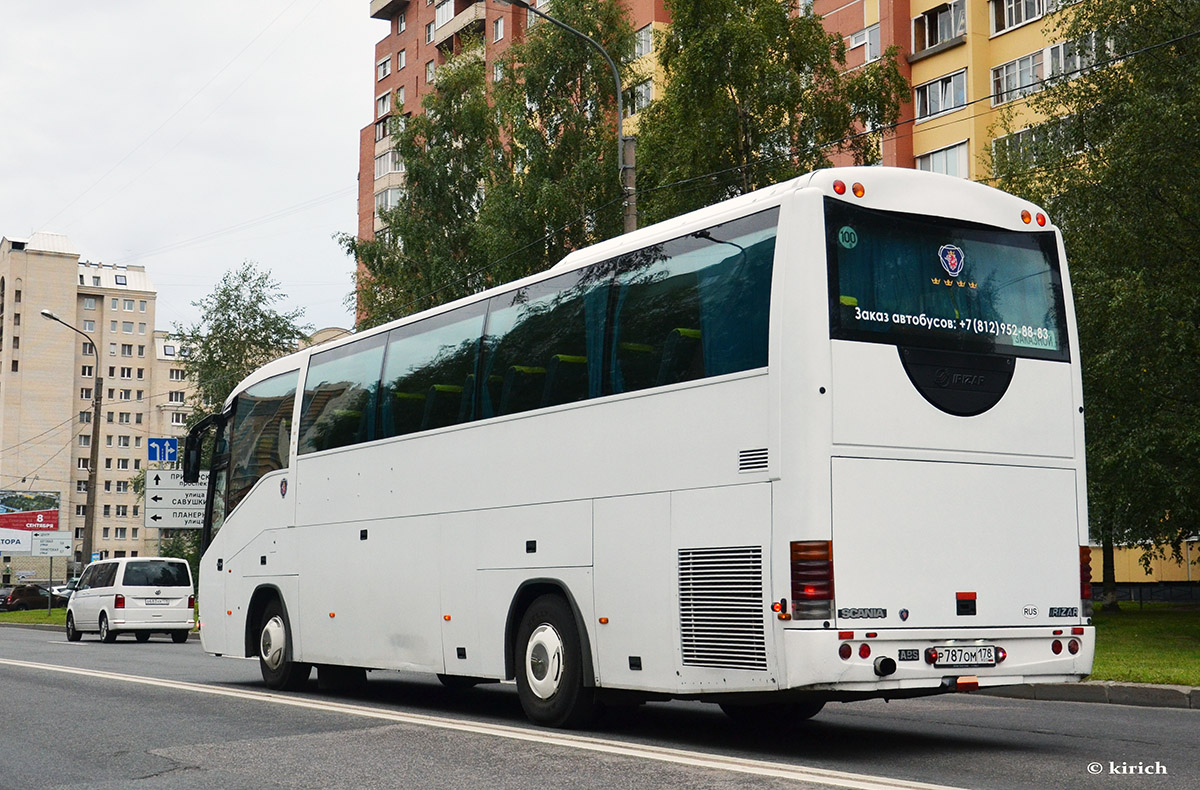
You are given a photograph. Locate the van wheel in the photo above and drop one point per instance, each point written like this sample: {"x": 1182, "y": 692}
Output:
{"x": 72, "y": 633}
{"x": 275, "y": 652}
{"x": 179, "y": 637}
{"x": 106, "y": 634}
{"x": 549, "y": 665}
{"x": 141, "y": 636}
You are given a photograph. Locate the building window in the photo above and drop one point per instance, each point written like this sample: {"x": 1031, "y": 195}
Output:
{"x": 381, "y": 129}
{"x": 639, "y": 97}
{"x": 401, "y": 59}
{"x": 137, "y": 441}
{"x": 133, "y": 531}
{"x": 643, "y": 41}
{"x": 141, "y": 351}
{"x": 85, "y": 417}
{"x": 81, "y": 463}
{"x": 107, "y": 486}
{"x": 112, "y": 349}
{"x": 141, "y": 373}
{"x": 444, "y": 12}
{"x": 175, "y": 396}
{"x": 385, "y": 164}
{"x": 939, "y": 25}
{"x": 951, "y": 161}
{"x": 870, "y": 37}
{"x": 89, "y": 303}
{"x": 122, "y": 512}
{"x": 168, "y": 351}
{"x": 1073, "y": 57}
{"x": 498, "y": 28}
{"x": 89, "y": 326}
{"x": 85, "y": 440}
{"x": 129, "y": 305}
{"x": 112, "y": 326}
{"x": 430, "y": 71}
{"x": 125, "y": 395}
{"x": 142, "y": 306}
{"x": 178, "y": 418}
{"x": 1017, "y": 78}
{"x": 383, "y": 68}
{"x": 429, "y": 33}
{"x": 121, "y": 280}
{"x": 85, "y": 393}
{"x": 104, "y": 532}
{"x": 88, "y": 350}
{"x": 123, "y": 418}
{"x": 127, "y": 327}
{"x": 81, "y": 486}
{"x": 122, "y": 486}
{"x": 81, "y": 510}
{"x": 107, "y": 513}
{"x": 497, "y": 71}
{"x": 126, "y": 349}
{"x": 941, "y": 95}
{"x": 122, "y": 441}
{"x": 141, "y": 328}
{"x": 122, "y": 463}
{"x": 1007, "y": 14}
{"x": 383, "y": 105}
{"x": 126, "y": 373}
{"x": 386, "y": 200}
{"x": 401, "y": 23}
{"x": 176, "y": 374}
{"x": 137, "y": 418}
{"x": 116, "y": 303}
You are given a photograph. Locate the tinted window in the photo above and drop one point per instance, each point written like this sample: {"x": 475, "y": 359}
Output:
{"x": 340, "y": 395}
{"x": 106, "y": 575}
{"x": 157, "y": 573}
{"x": 937, "y": 283}
{"x": 260, "y": 433}
{"x": 429, "y": 372}
{"x": 695, "y": 306}
{"x": 543, "y": 345}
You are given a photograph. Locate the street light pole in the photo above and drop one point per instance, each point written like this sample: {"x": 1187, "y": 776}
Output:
{"x": 626, "y": 164}
{"x": 89, "y": 517}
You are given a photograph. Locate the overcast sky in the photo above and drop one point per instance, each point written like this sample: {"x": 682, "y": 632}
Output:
{"x": 188, "y": 137}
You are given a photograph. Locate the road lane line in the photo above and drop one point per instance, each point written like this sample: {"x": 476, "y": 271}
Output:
{"x": 821, "y": 776}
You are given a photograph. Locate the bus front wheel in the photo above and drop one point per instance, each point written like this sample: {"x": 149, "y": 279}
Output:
{"x": 275, "y": 652}
{"x": 549, "y": 664}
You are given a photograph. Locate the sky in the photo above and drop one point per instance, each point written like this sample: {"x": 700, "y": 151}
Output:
{"x": 190, "y": 137}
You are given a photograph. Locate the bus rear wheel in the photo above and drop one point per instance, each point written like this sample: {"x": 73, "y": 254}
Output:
{"x": 279, "y": 672}
{"x": 549, "y": 663}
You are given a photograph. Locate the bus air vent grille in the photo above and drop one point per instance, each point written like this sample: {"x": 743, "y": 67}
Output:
{"x": 721, "y": 607}
{"x": 752, "y": 460}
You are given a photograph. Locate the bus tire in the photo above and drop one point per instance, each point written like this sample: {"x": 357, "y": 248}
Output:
{"x": 73, "y": 633}
{"x": 773, "y": 714}
{"x": 106, "y": 634}
{"x": 279, "y": 672}
{"x": 549, "y": 664}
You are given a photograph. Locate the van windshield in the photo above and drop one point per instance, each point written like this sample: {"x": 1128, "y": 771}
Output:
{"x": 157, "y": 573}
{"x": 932, "y": 282}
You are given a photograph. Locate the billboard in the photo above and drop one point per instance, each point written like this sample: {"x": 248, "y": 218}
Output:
{"x": 24, "y": 512}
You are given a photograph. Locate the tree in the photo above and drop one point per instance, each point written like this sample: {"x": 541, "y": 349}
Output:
{"x": 755, "y": 93}
{"x": 431, "y": 245}
{"x": 558, "y": 188}
{"x": 1115, "y": 163}
{"x": 237, "y": 333}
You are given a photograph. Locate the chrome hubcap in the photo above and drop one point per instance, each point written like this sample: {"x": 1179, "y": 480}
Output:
{"x": 544, "y": 661}
{"x": 272, "y": 642}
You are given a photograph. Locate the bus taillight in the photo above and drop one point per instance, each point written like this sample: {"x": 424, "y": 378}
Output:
{"x": 812, "y": 579}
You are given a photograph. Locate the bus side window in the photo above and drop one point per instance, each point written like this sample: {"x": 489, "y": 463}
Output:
{"x": 693, "y": 307}
{"x": 543, "y": 343}
{"x": 340, "y": 394}
{"x": 259, "y": 436}
{"x": 429, "y": 372}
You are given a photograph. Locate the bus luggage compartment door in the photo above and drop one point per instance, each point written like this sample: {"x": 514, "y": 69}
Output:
{"x": 914, "y": 540}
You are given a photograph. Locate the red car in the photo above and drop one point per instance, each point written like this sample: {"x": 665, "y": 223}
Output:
{"x": 28, "y": 596}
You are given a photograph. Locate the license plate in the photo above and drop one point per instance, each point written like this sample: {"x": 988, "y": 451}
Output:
{"x": 157, "y": 601}
{"x": 967, "y": 656}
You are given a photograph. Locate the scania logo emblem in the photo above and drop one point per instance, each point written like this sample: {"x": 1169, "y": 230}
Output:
{"x": 904, "y": 615}
{"x": 952, "y": 259}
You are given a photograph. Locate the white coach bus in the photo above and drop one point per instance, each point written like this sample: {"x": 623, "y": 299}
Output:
{"x": 819, "y": 442}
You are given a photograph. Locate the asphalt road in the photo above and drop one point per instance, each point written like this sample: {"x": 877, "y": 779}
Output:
{"x": 160, "y": 715}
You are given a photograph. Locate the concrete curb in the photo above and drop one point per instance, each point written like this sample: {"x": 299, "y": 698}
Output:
{"x": 1144, "y": 695}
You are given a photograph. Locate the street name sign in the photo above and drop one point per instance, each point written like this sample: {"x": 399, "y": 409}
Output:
{"x": 52, "y": 544}
{"x": 172, "y": 503}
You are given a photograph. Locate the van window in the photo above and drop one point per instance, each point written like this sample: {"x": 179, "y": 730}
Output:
{"x": 105, "y": 575}
{"x": 157, "y": 573}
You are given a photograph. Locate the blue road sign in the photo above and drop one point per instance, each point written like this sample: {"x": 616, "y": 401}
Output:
{"x": 162, "y": 449}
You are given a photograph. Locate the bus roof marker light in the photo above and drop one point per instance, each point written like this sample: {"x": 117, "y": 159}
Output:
{"x": 839, "y": 186}
{"x": 1041, "y": 220}
{"x": 1026, "y": 217}
{"x": 859, "y": 190}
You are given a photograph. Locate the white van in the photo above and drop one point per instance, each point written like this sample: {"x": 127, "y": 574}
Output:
{"x": 143, "y": 595}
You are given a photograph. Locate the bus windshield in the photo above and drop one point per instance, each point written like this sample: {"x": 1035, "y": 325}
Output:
{"x": 909, "y": 280}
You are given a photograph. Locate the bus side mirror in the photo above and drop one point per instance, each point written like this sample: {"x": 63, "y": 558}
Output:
{"x": 193, "y": 445}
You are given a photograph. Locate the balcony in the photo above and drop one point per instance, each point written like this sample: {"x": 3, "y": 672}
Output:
{"x": 475, "y": 13}
{"x": 386, "y": 9}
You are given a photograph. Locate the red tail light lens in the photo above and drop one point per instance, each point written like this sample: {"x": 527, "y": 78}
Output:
{"x": 119, "y": 602}
{"x": 1073, "y": 646}
{"x": 812, "y": 579}
{"x": 931, "y": 655}
{"x": 1056, "y": 647}
{"x": 864, "y": 650}
{"x": 1001, "y": 654}
{"x": 191, "y": 602}
{"x": 845, "y": 651}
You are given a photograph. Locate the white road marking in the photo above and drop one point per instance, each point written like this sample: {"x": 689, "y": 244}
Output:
{"x": 797, "y": 773}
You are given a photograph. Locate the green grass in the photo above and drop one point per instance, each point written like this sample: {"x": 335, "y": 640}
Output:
{"x": 36, "y": 617}
{"x": 1155, "y": 643}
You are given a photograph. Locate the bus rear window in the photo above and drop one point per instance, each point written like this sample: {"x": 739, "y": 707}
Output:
{"x": 909, "y": 280}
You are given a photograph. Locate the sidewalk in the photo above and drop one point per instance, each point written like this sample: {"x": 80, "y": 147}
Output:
{"x": 1144, "y": 695}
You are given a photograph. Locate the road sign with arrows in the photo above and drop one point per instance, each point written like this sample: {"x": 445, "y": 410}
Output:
{"x": 172, "y": 503}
